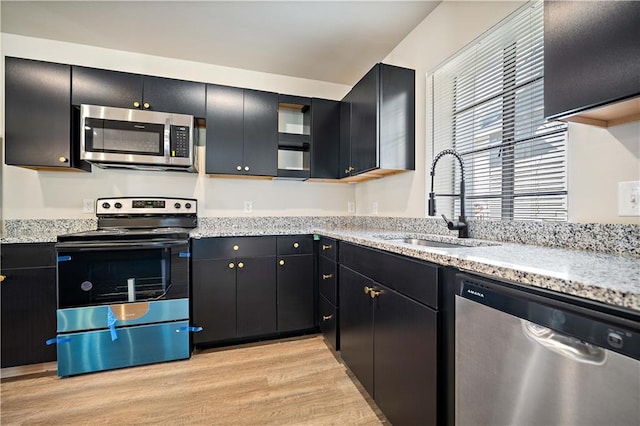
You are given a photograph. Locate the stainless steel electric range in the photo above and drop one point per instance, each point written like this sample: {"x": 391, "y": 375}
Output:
{"x": 123, "y": 289}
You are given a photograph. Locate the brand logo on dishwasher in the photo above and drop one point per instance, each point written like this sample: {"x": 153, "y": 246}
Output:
{"x": 475, "y": 293}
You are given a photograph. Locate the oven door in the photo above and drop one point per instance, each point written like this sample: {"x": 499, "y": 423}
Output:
{"x": 99, "y": 273}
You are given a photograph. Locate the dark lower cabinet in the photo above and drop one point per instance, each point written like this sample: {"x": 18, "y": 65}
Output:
{"x": 256, "y": 292}
{"x": 356, "y": 326}
{"x": 388, "y": 339}
{"x": 405, "y": 354}
{"x": 295, "y": 292}
{"x": 244, "y": 288}
{"x": 328, "y": 306}
{"x": 214, "y": 299}
{"x": 28, "y": 302}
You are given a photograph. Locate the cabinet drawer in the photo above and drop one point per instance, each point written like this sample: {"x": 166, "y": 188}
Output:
{"x": 230, "y": 247}
{"x": 413, "y": 278}
{"x": 328, "y": 248}
{"x": 295, "y": 244}
{"x": 328, "y": 321}
{"x": 327, "y": 279}
{"x": 14, "y": 256}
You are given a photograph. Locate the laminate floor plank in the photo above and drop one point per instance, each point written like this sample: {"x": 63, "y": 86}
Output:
{"x": 283, "y": 383}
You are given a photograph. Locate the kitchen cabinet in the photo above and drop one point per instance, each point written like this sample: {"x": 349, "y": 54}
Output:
{"x": 233, "y": 287}
{"x": 295, "y": 284}
{"x": 389, "y": 330}
{"x": 591, "y": 65}
{"x": 294, "y": 139}
{"x": 248, "y": 287}
{"x": 242, "y": 132}
{"x": 126, "y": 90}
{"x": 325, "y": 139}
{"x": 39, "y": 128}
{"x": 28, "y": 298}
{"x": 377, "y": 124}
{"x": 328, "y": 312}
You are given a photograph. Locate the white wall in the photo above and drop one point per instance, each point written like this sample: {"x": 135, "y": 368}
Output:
{"x": 597, "y": 158}
{"x": 44, "y": 194}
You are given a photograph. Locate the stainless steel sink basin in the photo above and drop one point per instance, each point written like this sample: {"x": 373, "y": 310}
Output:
{"x": 429, "y": 243}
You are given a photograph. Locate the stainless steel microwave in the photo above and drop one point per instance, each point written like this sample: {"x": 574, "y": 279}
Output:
{"x": 137, "y": 139}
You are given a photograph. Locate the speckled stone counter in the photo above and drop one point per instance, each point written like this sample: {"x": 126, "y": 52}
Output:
{"x": 606, "y": 278}
{"x": 595, "y": 261}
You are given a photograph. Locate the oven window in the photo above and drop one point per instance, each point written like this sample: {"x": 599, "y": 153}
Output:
{"x": 95, "y": 277}
{"x": 123, "y": 137}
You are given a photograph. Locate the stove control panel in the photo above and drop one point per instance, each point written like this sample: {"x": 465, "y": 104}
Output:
{"x": 145, "y": 206}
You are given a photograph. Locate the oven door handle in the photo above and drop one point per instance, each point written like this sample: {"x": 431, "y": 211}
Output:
{"x": 116, "y": 245}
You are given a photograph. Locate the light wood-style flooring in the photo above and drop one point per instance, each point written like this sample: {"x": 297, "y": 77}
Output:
{"x": 287, "y": 382}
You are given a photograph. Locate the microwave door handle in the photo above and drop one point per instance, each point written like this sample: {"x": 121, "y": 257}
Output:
{"x": 167, "y": 139}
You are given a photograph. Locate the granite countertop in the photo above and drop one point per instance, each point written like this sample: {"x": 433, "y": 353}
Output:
{"x": 612, "y": 278}
{"x": 606, "y": 278}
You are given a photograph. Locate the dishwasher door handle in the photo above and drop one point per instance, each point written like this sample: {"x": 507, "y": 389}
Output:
{"x": 564, "y": 345}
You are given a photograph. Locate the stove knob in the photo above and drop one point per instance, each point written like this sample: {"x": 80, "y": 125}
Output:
{"x": 176, "y": 205}
{"x": 188, "y": 205}
{"x": 117, "y": 205}
{"x": 106, "y": 205}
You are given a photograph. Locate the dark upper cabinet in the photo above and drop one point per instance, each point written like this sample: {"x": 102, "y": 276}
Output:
{"x": 592, "y": 59}
{"x": 125, "y": 90}
{"x": 325, "y": 139}
{"x": 377, "y": 124}
{"x": 38, "y": 116}
{"x": 28, "y": 296}
{"x": 242, "y": 132}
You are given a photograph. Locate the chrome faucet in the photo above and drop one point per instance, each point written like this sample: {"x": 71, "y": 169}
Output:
{"x": 461, "y": 225}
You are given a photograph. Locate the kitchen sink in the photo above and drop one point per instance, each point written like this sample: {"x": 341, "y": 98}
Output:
{"x": 435, "y": 241}
{"x": 428, "y": 243}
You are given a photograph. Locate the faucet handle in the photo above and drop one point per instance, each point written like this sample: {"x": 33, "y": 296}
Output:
{"x": 447, "y": 221}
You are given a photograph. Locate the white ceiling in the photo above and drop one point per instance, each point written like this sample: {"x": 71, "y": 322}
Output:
{"x": 335, "y": 41}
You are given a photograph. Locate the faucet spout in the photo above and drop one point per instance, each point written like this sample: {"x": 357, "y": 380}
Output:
{"x": 461, "y": 225}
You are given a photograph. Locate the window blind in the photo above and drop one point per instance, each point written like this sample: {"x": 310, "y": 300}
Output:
{"x": 487, "y": 104}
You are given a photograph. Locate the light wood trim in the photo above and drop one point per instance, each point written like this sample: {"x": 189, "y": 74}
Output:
{"x": 609, "y": 115}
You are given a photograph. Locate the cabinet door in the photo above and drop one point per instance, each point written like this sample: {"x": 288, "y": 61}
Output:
{"x": 256, "y": 292}
{"x": 225, "y": 130}
{"x": 364, "y": 123}
{"x": 345, "y": 136}
{"x": 176, "y": 96}
{"x": 591, "y": 54}
{"x": 38, "y": 115}
{"x": 327, "y": 279}
{"x": 295, "y": 292}
{"x": 214, "y": 299}
{"x": 28, "y": 298}
{"x": 405, "y": 359}
{"x": 356, "y": 326}
{"x": 260, "y": 133}
{"x": 325, "y": 139}
{"x": 104, "y": 87}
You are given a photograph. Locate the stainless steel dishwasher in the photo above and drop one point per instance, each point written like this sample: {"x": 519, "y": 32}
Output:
{"x": 533, "y": 357}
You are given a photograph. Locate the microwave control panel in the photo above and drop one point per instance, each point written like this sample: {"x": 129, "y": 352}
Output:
{"x": 180, "y": 141}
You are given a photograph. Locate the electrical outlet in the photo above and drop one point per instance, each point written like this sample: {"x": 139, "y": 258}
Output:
{"x": 629, "y": 198}
{"x": 248, "y": 206}
{"x": 351, "y": 207}
{"x": 88, "y": 205}
{"x": 374, "y": 207}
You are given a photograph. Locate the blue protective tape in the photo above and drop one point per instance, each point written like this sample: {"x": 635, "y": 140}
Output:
{"x": 192, "y": 329}
{"x": 58, "y": 340}
{"x": 184, "y": 254}
{"x": 63, "y": 258}
{"x": 111, "y": 323}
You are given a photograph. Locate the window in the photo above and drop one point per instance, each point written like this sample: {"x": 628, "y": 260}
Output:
{"x": 487, "y": 104}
